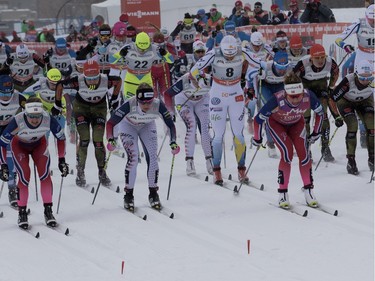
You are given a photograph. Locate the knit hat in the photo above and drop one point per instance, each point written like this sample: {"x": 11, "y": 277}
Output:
{"x": 258, "y": 4}
{"x": 247, "y": 6}
{"x": 124, "y": 18}
{"x": 281, "y": 58}
{"x": 213, "y": 7}
{"x": 201, "y": 12}
{"x": 274, "y": 6}
{"x": 238, "y": 3}
{"x": 317, "y": 50}
{"x": 295, "y": 42}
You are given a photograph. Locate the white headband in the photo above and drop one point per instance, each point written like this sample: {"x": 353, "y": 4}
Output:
{"x": 293, "y": 89}
{"x": 34, "y": 107}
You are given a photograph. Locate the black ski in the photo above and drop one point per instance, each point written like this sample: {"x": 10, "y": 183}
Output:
{"x": 134, "y": 211}
{"x": 1, "y": 214}
{"x": 60, "y": 228}
{"x": 324, "y": 209}
{"x": 164, "y": 211}
{"x": 249, "y": 183}
{"x": 30, "y": 231}
{"x": 293, "y": 210}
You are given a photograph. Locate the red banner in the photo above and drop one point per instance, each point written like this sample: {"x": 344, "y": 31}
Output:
{"x": 310, "y": 33}
{"x": 141, "y": 12}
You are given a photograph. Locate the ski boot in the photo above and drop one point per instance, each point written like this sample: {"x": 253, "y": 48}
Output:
{"x": 129, "y": 200}
{"x": 22, "y": 218}
{"x": 48, "y": 216}
{"x": 327, "y": 155}
{"x": 351, "y": 166}
{"x": 80, "y": 179}
{"x": 103, "y": 178}
{"x": 309, "y": 196}
{"x": 209, "y": 165}
{"x": 190, "y": 167}
{"x": 154, "y": 199}
{"x": 218, "y": 179}
{"x": 283, "y": 198}
{"x": 13, "y": 197}
{"x": 242, "y": 177}
{"x": 271, "y": 150}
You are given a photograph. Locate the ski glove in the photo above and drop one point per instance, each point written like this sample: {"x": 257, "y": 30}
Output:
{"x": 9, "y": 61}
{"x": 4, "y": 172}
{"x": 113, "y": 103}
{"x": 349, "y": 49}
{"x": 63, "y": 167}
{"x": 47, "y": 55}
{"x": 339, "y": 121}
{"x": 57, "y": 108}
{"x": 124, "y": 51}
{"x": 111, "y": 145}
{"x": 93, "y": 42}
{"x": 256, "y": 142}
{"x": 313, "y": 137}
{"x": 250, "y": 93}
{"x": 162, "y": 52}
{"x": 175, "y": 148}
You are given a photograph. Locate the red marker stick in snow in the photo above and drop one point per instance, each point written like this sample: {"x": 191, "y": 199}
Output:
{"x": 248, "y": 246}
{"x": 122, "y": 267}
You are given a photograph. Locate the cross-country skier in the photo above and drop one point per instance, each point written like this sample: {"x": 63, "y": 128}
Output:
{"x": 283, "y": 115}
{"x": 137, "y": 116}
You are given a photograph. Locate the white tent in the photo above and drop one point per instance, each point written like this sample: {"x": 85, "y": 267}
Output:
{"x": 110, "y": 10}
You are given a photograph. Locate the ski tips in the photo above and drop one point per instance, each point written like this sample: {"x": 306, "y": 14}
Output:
{"x": 230, "y": 177}
{"x": 235, "y": 190}
{"x": 206, "y": 178}
{"x": 118, "y": 189}
{"x": 92, "y": 190}
{"x": 1, "y": 214}
{"x": 336, "y": 213}
{"x": 305, "y": 213}
{"x": 171, "y": 216}
{"x": 66, "y": 231}
{"x": 72, "y": 172}
{"x": 262, "y": 187}
{"x": 37, "y": 235}
{"x": 144, "y": 217}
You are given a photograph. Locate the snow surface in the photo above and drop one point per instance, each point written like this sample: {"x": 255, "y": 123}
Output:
{"x": 207, "y": 239}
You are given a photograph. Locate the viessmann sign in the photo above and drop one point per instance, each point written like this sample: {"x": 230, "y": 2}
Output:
{"x": 141, "y": 12}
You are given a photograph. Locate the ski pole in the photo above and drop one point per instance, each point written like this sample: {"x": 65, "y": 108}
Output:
{"x": 320, "y": 160}
{"x": 2, "y": 187}
{"x": 58, "y": 202}
{"x": 343, "y": 59}
{"x": 36, "y": 184}
{"x": 371, "y": 179}
{"x": 248, "y": 168}
{"x": 105, "y": 168}
{"x": 162, "y": 144}
{"x": 170, "y": 177}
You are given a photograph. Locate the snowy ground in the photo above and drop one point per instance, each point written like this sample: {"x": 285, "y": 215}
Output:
{"x": 207, "y": 239}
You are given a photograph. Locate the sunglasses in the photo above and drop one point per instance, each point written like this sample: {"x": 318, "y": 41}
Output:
{"x": 281, "y": 66}
{"x": 34, "y": 115}
{"x": 92, "y": 78}
{"x": 257, "y": 7}
{"x": 366, "y": 78}
{"x": 319, "y": 58}
{"x": 145, "y": 101}
{"x": 200, "y": 51}
{"x": 294, "y": 97}
{"x": 7, "y": 95}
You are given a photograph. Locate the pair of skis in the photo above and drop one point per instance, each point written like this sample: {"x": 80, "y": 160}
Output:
{"x": 58, "y": 228}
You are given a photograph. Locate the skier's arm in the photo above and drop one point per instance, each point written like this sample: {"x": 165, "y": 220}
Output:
{"x": 168, "y": 120}
{"x": 58, "y": 132}
{"x": 264, "y": 113}
{"x": 319, "y": 112}
{"x": 116, "y": 117}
